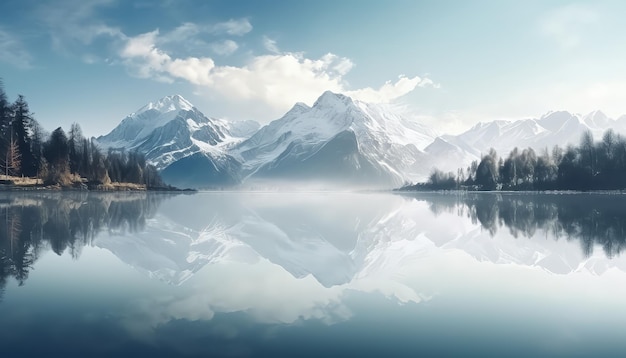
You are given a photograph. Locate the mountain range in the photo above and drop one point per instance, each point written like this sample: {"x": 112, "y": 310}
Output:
{"x": 336, "y": 142}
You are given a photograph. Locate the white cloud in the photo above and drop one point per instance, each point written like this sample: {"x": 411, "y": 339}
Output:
{"x": 270, "y": 45}
{"x": 181, "y": 33}
{"x": 273, "y": 81}
{"x": 566, "y": 25}
{"x": 234, "y": 27}
{"x": 142, "y": 56}
{"x": 189, "y": 30}
{"x": 225, "y": 48}
{"x": 12, "y": 51}
{"x": 73, "y": 24}
{"x": 390, "y": 91}
{"x": 74, "y": 21}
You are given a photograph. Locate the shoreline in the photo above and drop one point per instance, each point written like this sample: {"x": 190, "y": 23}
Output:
{"x": 8, "y": 183}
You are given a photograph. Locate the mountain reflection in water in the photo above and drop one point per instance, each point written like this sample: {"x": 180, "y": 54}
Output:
{"x": 334, "y": 247}
{"x": 312, "y": 274}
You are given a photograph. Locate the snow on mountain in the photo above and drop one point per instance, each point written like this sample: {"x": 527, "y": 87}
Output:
{"x": 554, "y": 128}
{"x": 339, "y": 139}
{"x": 448, "y": 155}
{"x": 172, "y": 129}
{"x": 597, "y": 120}
{"x": 503, "y": 135}
{"x": 144, "y": 121}
{"x": 242, "y": 129}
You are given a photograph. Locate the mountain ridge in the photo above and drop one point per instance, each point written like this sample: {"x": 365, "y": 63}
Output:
{"x": 337, "y": 140}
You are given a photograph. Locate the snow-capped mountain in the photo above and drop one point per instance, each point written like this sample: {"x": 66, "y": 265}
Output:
{"x": 554, "y": 128}
{"x": 340, "y": 140}
{"x": 175, "y": 136}
{"x": 337, "y": 141}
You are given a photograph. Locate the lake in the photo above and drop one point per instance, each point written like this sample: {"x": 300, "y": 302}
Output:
{"x": 312, "y": 274}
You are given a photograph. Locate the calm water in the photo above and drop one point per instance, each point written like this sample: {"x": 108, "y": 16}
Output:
{"x": 319, "y": 274}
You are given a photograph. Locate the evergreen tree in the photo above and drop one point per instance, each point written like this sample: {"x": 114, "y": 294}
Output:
{"x": 487, "y": 172}
{"x": 56, "y": 152}
{"x": 20, "y": 125}
{"x": 5, "y": 123}
{"x": 5, "y": 112}
{"x": 75, "y": 141}
{"x": 36, "y": 146}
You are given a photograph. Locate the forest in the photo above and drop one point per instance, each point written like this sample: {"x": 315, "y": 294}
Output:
{"x": 60, "y": 158}
{"x": 591, "y": 165}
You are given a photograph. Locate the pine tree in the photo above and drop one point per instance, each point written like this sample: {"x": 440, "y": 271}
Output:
{"x": 36, "y": 147}
{"x": 75, "y": 142}
{"x": 20, "y": 124}
{"x": 5, "y": 122}
{"x": 56, "y": 152}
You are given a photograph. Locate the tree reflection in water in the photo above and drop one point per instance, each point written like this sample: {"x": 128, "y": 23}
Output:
{"x": 32, "y": 223}
{"x": 593, "y": 219}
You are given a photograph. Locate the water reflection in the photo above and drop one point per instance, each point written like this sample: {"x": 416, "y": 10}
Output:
{"x": 592, "y": 219}
{"x": 32, "y": 223}
{"x": 210, "y": 273}
{"x": 336, "y": 239}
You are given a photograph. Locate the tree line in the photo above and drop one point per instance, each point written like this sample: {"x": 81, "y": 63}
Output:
{"x": 590, "y": 165}
{"x": 62, "y": 158}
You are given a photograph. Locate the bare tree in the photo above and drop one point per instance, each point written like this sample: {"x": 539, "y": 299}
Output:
{"x": 13, "y": 158}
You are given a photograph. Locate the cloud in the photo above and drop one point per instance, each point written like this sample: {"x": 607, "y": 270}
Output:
{"x": 12, "y": 51}
{"x": 236, "y": 27}
{"x": 566, "y": 24}
{"x": 270, "y": 45}
{"x": 190, "y": 37}
{"x": 226, "y": 47}
{"x": 189, "y": 30}
{"x": 390, "y": 91}
{"x": 73, "y": 23}
{"x": 276, "y": 80}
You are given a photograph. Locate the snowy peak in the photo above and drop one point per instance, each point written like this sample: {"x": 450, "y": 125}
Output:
{"x": 553, "y": 121}
{"x": 141, "y": 124}
{"x": 174, "y": 103}
{"x": 171, "y": 132}
{"x": 553, "y": 128}
{"x": 439, "y": 145}
{"x": 597, "y": 119}
{"x": 332, "y": 100}
{"x": 298, "y": 109}
{"x": 338, "y": 137}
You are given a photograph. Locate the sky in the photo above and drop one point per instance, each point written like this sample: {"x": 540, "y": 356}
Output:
{"x": 448, "y": 64}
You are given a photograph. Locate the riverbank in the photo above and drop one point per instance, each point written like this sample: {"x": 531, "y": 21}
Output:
{"x": 13, "y": 183}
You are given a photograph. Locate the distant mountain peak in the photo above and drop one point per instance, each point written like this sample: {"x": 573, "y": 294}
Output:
{"x": 331, "y": 99}
{"x": 298, "y": 108}
{"x": 597, "y": 119}
{"x": 168, "y": 104}
{"x": 552, "y": 114}
{"x": 597, "y": 113}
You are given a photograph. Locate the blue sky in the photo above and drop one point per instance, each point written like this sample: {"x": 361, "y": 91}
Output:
{"x": 447, "y": 63}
